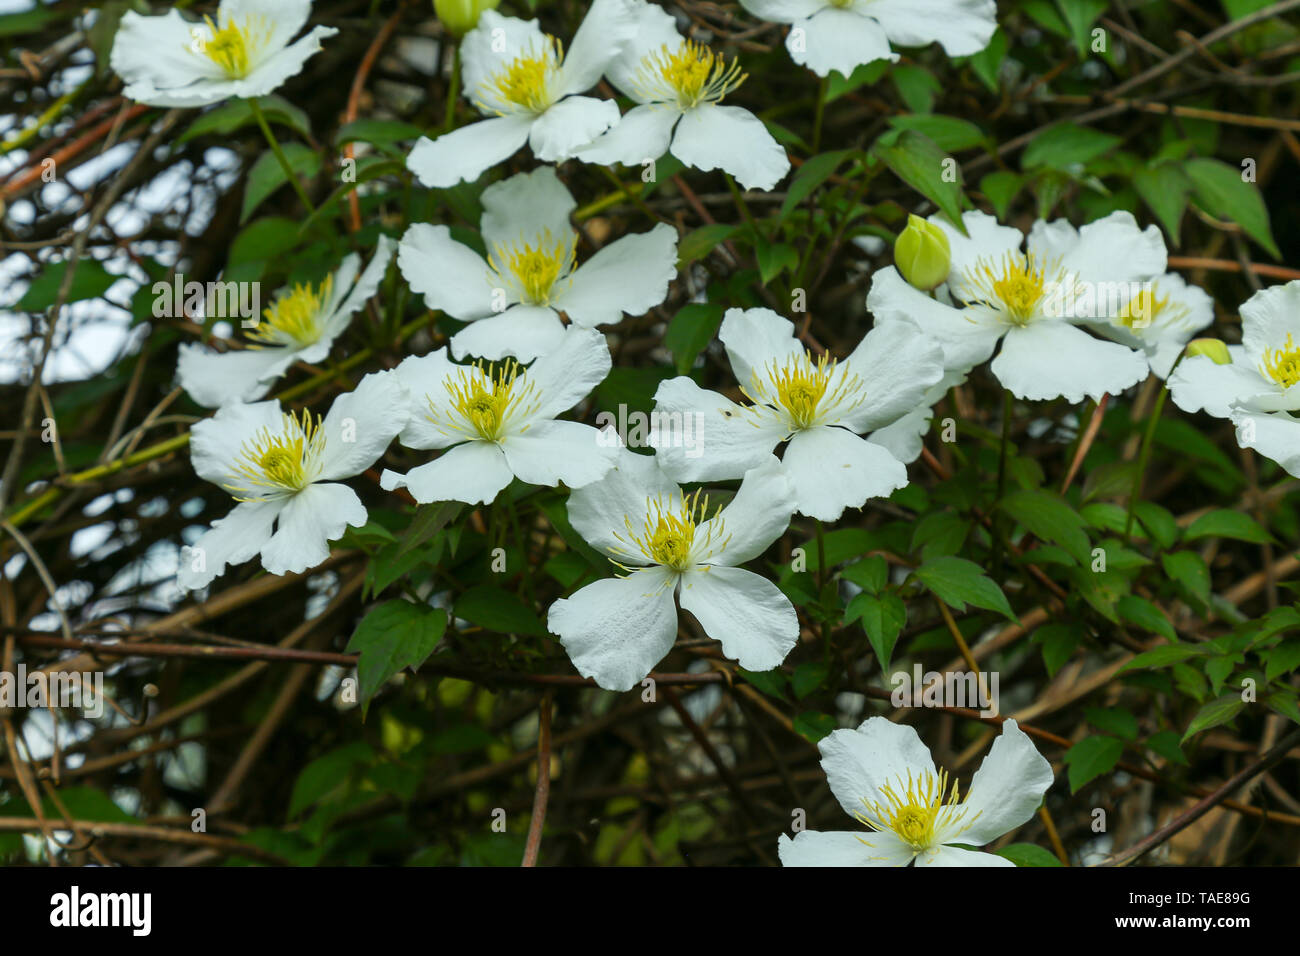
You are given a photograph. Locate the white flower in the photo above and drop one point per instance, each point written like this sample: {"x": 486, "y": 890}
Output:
{"x": 522, "y": 79}
{"x": 1258, "y": 388}
{"x": 884, "y": 777}
{"x": 499, "y": 424}
{"x": 842, "y": 34}
{"x": 299, "y": 326}
{"x": 617, "y": 629}
{"x": 283, "y": 470}
{"x": 245, "y": 52}
{"x": 1159, "y": 320}
{"x": 679, "y": 83}
{"x": 513, "y": 300}
{"x": 819, "y": 405}
{"x": 1029, "y": 301}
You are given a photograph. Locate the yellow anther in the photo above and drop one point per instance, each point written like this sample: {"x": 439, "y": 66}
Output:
{"x": 667, "y": 536}
{"x": 1282, "y": 365}
{"x": 802, "y": 387}
{"x": 532, "y": 271}
{"x": 294, "y": 318}
{"x": 233, "y": 45}
{"x": 279, "y": 462}
{"x": 1013, "y": 285}
{"x": 526, "y": 82}
{"x": 911, "y": 810}
{"x": 687, "y": 75}
{"x": 486, "y": 405}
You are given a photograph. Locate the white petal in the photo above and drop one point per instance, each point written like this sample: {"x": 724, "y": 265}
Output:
{"x": 551, "y": 452}
{"x": 158, "y": 51}
{"x": 784, "y": 11}
{"x": 642, "y": 135}
{"x": 474, "y": 472}
{"x": 813, "y": 848}
{"x": 956, "y": 856}
{"x": 751, "y": 618}
{"x": 963, "y": 27}
{"x": 216, "y": 442}
{"x": 231, "y": 540}
{"x": 879, "y": 753}
{"x": 463, "y": 154}
{"x": 1200, "y": 383}
{"x": 832, "y": 469}
{"x": 286, "y": 17}
{"x": 565, "y": 375}
{"x": 1268, "y": 317}
{"x": 654, "y": 29}
{"x": 525, "y": 206}
{"x": 897, "y": 364}
{"x": 361, "y": 424}
{"x": 570, "y": 124}
{"x": 837, "y": 39}
{"x": 492, "y": 45}
{"x": 700, "y": 435}
{"x": 905, "y": 438}
{"x": 452, "y": 278}
{"x": 1112, "y": 249}
{"x": 747, "y": 526}
{"x": 756, "y": 340}
{"x": 214, "y": 379}
{"x": 617, "y": 629}
{"x": 311, "y": 519}
{"x": 1273, "y": 436}
{"x": 337, "y": 318}
{"x": 1004, "y": 793}
{"x": 630, "y": 275}
{"x": 733, "y": 139}
{"x": 268, "y": 75}
{"x": 608, "y": 25}
{"x": 425, "y": 379}
{"x": 965, "y": 342}
{"x": 1051, "y": 359}
{"x": 521, "y": 331}
{"x": 604, "y": 510}
{"x": 987, "y": 239}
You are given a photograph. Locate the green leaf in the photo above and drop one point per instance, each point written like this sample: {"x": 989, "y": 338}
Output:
{"x": 236, "y": 114}
{"x": 948, "y": 132}
{"x": 690, "y": 332}
{"x": 1217, "y": 712}
{"x": 814, "y": 726}
{"x": 1027, "y": 854}
{"x": 1166, "y": 744}
{"x": 987, "y": 63}
{"x": 499, "y": 610}
{"x": 811, "y": 174}
{"x": 429, "y": 520}
{"x": 1079, "y": 17}
{"x": 1058, "y": 642}
{"x": 90, "y": 280}
{"x": 700, "y": 242}
{"x": 958, "y": 582}
{"x": 1066, "y": 145}
{"x": 1282, "y": 659}
{"x": 1000, "y": 189}
{"x": 1165, "y": 189}
{"x": 882, "y": 618}
{"x": 263, "y": 241}
{"x": 871, "y": 573}
{"x": 1227, "y": 524}
{"x": 917, "y": 86}
{"x": 770, "y": 682}
{"x": 1145, "y": 615}
{"x": 1225, "y": 195}
{"x": 325, "y": 773}
{"x": 267, "y": 175}
{"x": 1188, "y": 569}
{"x": 921, "y": 164}
{"x": 1113, "y": 720}
{"x": 1047, "y": 516}
{"x": 29, "y": 21}
{"x": 774, "y": 258}
{"x": 808, "y": 677}
{"x": 1163, "y": 656}
{"x": 377, "y": 132}
{"x": 394, "y": 635}
{"x": 1090, "y": 758}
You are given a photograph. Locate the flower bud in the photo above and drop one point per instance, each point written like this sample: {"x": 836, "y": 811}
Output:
{"x": 1213, "y": 349}
{"x": 461, "y": 16}
{"x": 922, "y": 254}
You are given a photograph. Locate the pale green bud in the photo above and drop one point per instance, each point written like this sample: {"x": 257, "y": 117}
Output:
{"x": 922, "y": 254}
{"x": 1213, "y": 349}
{"x": 461, "y": 16}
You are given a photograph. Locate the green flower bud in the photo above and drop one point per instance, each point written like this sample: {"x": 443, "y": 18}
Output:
{"x": 1213, "y": 349}
{"x": 922, "y": 254}
{"x": 461, "y": 16}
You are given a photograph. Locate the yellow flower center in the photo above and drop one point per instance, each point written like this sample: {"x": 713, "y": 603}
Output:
{"x": 295, "y": 318}
{"x": 910, "y": 809}
{"x": 279, "y": 463}
{"x": 485, "y": 404}
{"x": 1282, "y": 365}
{"x": 688, "y": 75}
{"x": 532, "y": 271}
{"x": 233, "y": 45}
{"x": 802, "y": 388}
{"x": 1014, "y": 285}
{"x": 1146, "y": 308}
{"x": 525, "y": 82}
{"x": 667, "y": 536}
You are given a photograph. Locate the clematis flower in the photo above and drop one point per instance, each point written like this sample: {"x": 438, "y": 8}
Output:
{"x": 514, "y": 298}
{"x": 678, "y": 85}
{"x": 284, "y": 470}
{"x": 500, "y": 424}
{"x": 1030, "y": 301}
{"x": 521, "y": 78}
{"x": 245, "y": 52}
{"x": 617, "y": 629}
{"x": 818, "y": 405}
{"x": 840, "y": 35}
{"x": 299, "y": 326}
{"x": 884, "y": 777}
{"x": 1159, "y": 320}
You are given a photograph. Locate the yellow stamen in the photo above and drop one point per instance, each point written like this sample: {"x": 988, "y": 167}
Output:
{"x": 533, "y": 271}
{"x": 233, "y": 46}
{"x": 486, "y": 404}
{"x": 667, "y": 536}
{"x": 911, "y": 810}
{"x": 281, "y": 463}
{"x": 295, "y": 318}
{"x": 1282, "y": 365}
{"x": 1146, "y": 308}
{"x": 802, "y": 387}
{"x": 688, "y": 75}
{"x": 1014, "y": 285}
{"x": 525, "y": 82}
